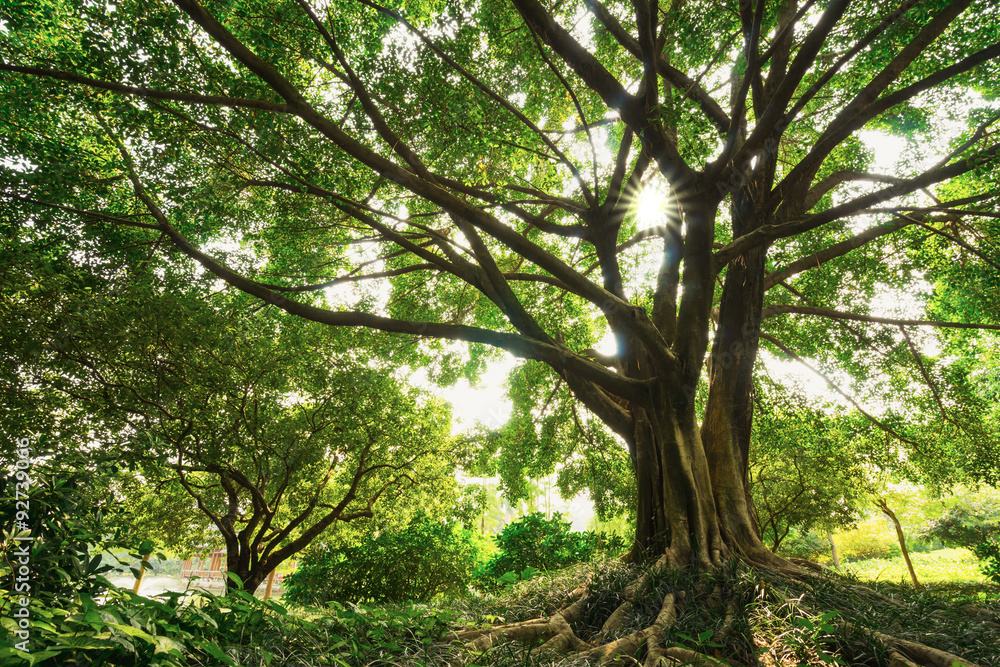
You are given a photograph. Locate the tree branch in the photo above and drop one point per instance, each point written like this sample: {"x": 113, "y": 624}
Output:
{"x": 875, "y": 420}
{"x": 771, "y": 311}
{"x": 214, "y": 100}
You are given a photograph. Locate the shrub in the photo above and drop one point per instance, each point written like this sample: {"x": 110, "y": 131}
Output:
{"x": 988, "y": 553}
{"x": 423, "y": 560}
{"x": 805, "y": 544}
{"x": 74, "y": 532}
{"x": 126, "y": 629}
{"x": 869, "y": 540}
{"x": 536, "y": 543}
{"x": 965, "y": 524}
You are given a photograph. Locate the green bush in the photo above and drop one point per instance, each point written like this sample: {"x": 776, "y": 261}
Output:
{"x": 425, "y": 559}
{"x": 868, "y": 540}
{"x": 123, "y": 629}
{"x": 72, "y": 614}
{"x": 988, "y": 553}
{"x": 68, "y": 535}
{"x": 536, "y": 543}
{"x": 805, "y": 544}
{"x": 974, "y": 525}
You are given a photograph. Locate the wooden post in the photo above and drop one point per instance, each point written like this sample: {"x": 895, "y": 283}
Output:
{"x": 270, "y": 583}
{"x": 142, "y": 573}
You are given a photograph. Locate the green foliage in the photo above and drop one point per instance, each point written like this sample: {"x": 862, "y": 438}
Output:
{"x": 76, "y": 615}
{"x": 972, "y": 523}
{"x": 426, "y": 559}
{"x": 966, "y": 523}
{"x": 806, "y": 470}
{"x": 274, "y": 423}
{"x": 361, "y": 632}
{"x": 867, "y": 540}
{"x": 126, "y": 629}
{"x": 988, "y": 553}
{"x": 535, "y": 543}
{"x": 69, "y": 526}
{"x": 943, "y": 566}
{"x": 808, "y": 544}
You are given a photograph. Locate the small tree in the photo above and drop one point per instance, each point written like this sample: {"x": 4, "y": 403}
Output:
{"x": 806, "y": 471}
{"x": 268, "y": 444}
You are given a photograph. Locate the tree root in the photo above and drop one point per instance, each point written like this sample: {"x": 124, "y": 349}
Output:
{"x": 630, "y": 644}
{"x": 556, "y": 635}
{"x": 897, "y": 660}
{"x": 909, "y": 653}
{"x": 554, "y": 631}
{"x": 808, "y": 564}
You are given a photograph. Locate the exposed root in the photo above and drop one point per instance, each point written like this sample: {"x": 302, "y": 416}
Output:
{"x": 897, "y": 660}
{"x": 617, "y": 619}
{"x": 910, "y": 653}
{"x": 467, "y": 635}
{"x": 555, "y": 631}
{"x": 693, "y": 658}
{"x": 724, "y": 619}
{"x": 629, "y": 645}
{"x": 727, "y": 625}
{"x": 807, "y": 563}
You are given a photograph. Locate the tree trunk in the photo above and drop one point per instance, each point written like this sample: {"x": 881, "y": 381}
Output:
{"x": 238, "y": 562}
{"x": 142, "y": 574}
{"x": 833, "y": 550}
{"x": 902, "y": 540}
{"x": 692, "y": 480}
{"x": 688, "y": 507}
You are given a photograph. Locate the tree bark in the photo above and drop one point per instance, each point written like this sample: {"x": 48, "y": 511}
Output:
{"x": 692, "y": 494}
{"x": 902, "y": 540}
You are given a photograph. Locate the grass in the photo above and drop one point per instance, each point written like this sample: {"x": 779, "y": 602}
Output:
{"x": 944, "y": 566}
{"x": 758, "y": 617}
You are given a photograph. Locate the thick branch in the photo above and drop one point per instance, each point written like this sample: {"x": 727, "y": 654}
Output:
{"x": 771, "y": 311}
{"x": 687, "y": 86}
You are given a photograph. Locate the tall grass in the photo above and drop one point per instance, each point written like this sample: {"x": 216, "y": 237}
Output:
{"x": 944, "y": 566}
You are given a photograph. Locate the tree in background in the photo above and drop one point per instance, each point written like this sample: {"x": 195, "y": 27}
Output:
{"x": 419, "y": 562}
{"x": 257, "y": 423}
{"x": 971, "y": 521}
{"x": 806, "y": 471}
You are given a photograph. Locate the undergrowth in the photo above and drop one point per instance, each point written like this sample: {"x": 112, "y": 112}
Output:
{"x": 748, "y": 616}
